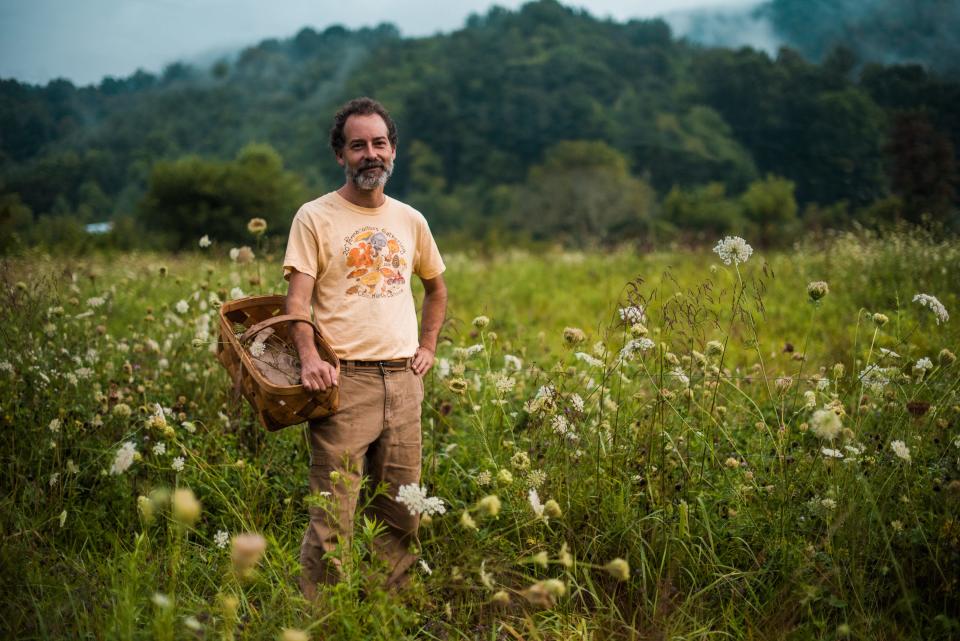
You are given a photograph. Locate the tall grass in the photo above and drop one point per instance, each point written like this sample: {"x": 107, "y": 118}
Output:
{"x": 686, "y": 488}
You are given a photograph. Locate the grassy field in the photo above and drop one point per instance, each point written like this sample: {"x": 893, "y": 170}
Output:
{"x": 679, "y": 449}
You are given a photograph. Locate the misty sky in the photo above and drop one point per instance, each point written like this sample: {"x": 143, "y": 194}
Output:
{"x": 85, "y": 40}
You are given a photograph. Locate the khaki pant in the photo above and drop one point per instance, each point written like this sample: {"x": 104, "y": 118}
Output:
{"x": 376, "y": 432}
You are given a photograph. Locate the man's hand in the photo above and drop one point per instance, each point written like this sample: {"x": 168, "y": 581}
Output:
{"x": 316, "y": 374}
{"x": 422, "y": 361}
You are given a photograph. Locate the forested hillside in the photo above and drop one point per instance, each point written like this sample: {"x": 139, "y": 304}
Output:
{"x": 540, "y": 123}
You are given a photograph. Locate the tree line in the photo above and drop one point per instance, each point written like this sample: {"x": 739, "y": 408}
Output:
{"x": 543, "y": 123}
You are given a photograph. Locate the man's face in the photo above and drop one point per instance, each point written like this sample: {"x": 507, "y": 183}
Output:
{"x": 367, "y": 156}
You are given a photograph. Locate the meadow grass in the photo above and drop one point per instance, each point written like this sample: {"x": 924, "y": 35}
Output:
{"x": 679, "y": 449}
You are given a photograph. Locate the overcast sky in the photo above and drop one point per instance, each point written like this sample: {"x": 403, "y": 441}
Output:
{"x": 85, "y": 40}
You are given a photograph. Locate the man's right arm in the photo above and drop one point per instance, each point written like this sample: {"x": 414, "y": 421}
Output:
{"x": 315, "y": 373}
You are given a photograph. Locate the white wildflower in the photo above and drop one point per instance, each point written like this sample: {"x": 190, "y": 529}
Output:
{"x": 414, "y": 497}
{"x": 54, "y": 478}
{"x": 96, "y": 301}
{"x": 733, "y": 249}
{"x": 182, "y": 306}
{"x": 205, "y": 241}
{"x": 632, "y": 315}
{"x": 177, "y": 464}
{"x": 425, "y": 567}
{"x": 588, "y": 359}
{"x": 6, "y": 367}
{"x": 236, "y": 293}
{"x": 54, "y": 425}
{"x": 474, "y": 349}
{"x": 535, "y": 503}
{"x": 901, "y": 450}
{"x": 159, "y": 449}
{"x": 924, "y": 364}
{"x": 124, "y": 458}
{"x": 559, "y": 424}
{"x": 221, "y": 538}
{"x": 509, "y": 360}
{"x": 828, "y": 504}
{"x": 680, "y": 376}
{"x": 504, "y": 384}
{"x": 443, "y": 368}
{"x": 635, "y": 345}
{"x": 576, "y": 401}
{"x": 257, "y": 349}
{"x": 810, "y": 399}
{"x": 831, "y": 453}
{"x": 934, "y": 305}
{"x": 825, "y": 424}
{"x": 888, "y": 353}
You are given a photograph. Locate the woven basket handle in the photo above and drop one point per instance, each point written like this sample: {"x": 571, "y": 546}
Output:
{"x": 273, "y": 320}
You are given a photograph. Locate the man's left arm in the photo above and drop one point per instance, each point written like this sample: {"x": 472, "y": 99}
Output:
{"x": 434, "y": 309}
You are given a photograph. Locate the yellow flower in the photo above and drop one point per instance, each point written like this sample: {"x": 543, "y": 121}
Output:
{"x": 186, "y": 507}
{"x": 618, "y": 569}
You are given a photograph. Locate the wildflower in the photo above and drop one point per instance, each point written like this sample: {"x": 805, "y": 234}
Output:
{"x": 236, "y": 293}
{"x": 509, "y": 360}
{"x": 182, "y": 307}
{"x": 544, "y": 593}
{"x": 560, "y": 425}
{"x": 257, "y": 349}
{"x": 177, "y": 464}
{"x": 638, "y": 329}
{"x": 484, "y": 478}
{"x": 504, "y": 477}
{"x": 828, "y": 504}
{"x": 901, "y": 450}
{"x": 520, "y": 460}
{"x": 588, "y": 359}
{"x": 474, "y": 350}
{"x": 618, "y": 569}
{"x": 241, "y": 255}
{"x": 817, "y": 290}
{"x": 565, "y": 558}
{"x": 732, "y": 463}
{"x": 489, "y": 504}
{"x": 96, "y": 301}
{"x": 535, "y": 503}
{"x": 467, "y": 521}
{"x": 576, "y": 401}
{"x": 946, "y": 357}
{"x": 6, "y": 367}
{"x": 830, "y": 453}
{"x": 783, "y": 383}
{"x": 632, "y": 315}
{"x": 257, "y": 226}
{"x": 159, "y": 449}
{"x": 72, "y": 468}
{"x": 425, "y": 567}
{"x": 124, "y": 458}
{"x": 680, "y": 376}
{"x": 825, "y": 424}
{"x": 501, "y": 598}
{"x": 573, "y": 335}
{"x": 161, "y": 600}
{"x": 185, "y": 506}
{"x": 875, "y": 378}
{"x": 635, "y": 345}
{"x": 480, "y": 322}
{"x": 458, "y": 385}
{"x": 880, "y": 319}
{"x": 54, "y": 425}
{"x": 733, "y": 249}
{"x": 54, "y": 478}
{"x": 293, "y": 634}
{"x": 205, "y": 241}
{"x": 414, "y": 497}
{"x": 504, "y": 384}
{"x": 935, "y": 306}
{"x": 896, "y": 526}
{"x": 923, "y": 364}
{"x": 221, "y": 538}
{"x": 552, "y": 509}
{"x": 536, "y": 478}
{"x": 810, "y": 399}
{"x": 888, "y": 353}
{"x": 245, "y": 552}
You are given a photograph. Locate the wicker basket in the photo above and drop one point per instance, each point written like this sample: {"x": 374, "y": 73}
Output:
{"x": 277, "y": 405}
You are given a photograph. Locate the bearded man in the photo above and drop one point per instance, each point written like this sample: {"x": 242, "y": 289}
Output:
{"x": 350, "y": 256}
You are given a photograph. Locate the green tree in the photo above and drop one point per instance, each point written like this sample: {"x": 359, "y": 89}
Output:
{"x": 771, "y": 208}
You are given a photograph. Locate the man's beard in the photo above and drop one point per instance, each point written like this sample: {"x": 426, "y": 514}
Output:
{"x": 368, "y": 181}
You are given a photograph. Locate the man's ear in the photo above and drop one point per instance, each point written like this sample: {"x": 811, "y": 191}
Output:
{"x": 339, "y": 156}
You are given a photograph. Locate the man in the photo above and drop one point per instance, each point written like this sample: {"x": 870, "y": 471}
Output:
{"x": 352, "y": 253}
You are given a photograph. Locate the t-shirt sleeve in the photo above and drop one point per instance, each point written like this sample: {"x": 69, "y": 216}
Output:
{"x": 303, "y": 249}
{"x": 428, "y": 262}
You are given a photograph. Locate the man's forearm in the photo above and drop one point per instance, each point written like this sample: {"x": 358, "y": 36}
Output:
{"x": 434, "y": 310}
{"x": 301, "y": 333}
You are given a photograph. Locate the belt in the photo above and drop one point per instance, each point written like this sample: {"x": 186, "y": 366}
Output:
{"x": 393, "y": 365}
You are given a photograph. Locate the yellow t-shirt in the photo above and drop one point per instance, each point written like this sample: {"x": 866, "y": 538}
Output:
{"x": 363, "y": 260}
